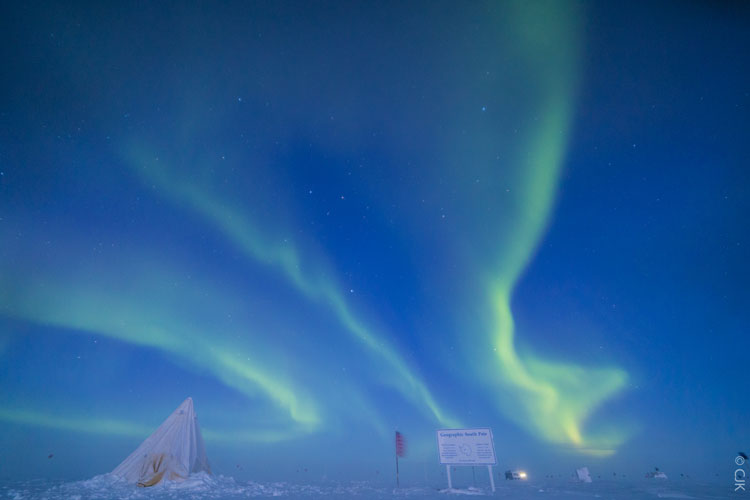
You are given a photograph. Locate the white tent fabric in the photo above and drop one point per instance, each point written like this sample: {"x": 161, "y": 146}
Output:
{"x": 583, "y": 475}
{"x": 173, "y": 452}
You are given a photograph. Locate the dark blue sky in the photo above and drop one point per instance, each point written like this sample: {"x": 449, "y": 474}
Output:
{"x": 326, "y": 222}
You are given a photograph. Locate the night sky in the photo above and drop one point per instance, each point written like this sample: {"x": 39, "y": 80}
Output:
{"x": 326, "y": 221}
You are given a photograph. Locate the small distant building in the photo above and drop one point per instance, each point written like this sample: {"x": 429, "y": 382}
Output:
{"x": 656, "y": 474}
{"x": 583, "y": 475}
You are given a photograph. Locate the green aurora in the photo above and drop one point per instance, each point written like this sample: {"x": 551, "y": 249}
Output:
{"x": 553, "y": 400}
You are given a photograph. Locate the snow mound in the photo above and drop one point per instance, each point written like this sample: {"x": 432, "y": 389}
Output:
{"x": 467, "y": 491}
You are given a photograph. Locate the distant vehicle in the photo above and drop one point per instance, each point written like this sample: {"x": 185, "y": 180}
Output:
{"x": 515, "y": 475}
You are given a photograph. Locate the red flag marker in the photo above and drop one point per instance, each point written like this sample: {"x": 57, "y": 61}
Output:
{"x": 400, "y": 445}
{"x": 400, "y": 452}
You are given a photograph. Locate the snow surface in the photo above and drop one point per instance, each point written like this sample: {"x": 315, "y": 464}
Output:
{"x": 201, "y": 486}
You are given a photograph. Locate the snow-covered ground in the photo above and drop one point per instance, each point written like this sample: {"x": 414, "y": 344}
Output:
{"x": 220, "y": 487}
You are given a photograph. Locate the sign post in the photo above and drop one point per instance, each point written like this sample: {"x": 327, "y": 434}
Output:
{"x": 467, "y": 447}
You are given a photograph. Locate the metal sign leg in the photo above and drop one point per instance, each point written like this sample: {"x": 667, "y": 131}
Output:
{"x": 450, "y": 484}
{"x": 492, "y": 478}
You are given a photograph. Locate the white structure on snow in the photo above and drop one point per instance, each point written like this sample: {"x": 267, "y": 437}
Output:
{"x": 173, "y": 452}
{"x": 583, "y": 475}
{"x": 656, "y": 474}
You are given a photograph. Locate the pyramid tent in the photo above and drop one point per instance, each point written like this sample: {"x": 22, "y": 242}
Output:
{"x": 173, "y": 452}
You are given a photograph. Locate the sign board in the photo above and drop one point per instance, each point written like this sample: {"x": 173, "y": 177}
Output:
{"x": 466, "y": 446}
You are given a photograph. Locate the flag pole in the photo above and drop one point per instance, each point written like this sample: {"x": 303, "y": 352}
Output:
{"x": 398, "y": 485}
{"x": 399, "y": 448}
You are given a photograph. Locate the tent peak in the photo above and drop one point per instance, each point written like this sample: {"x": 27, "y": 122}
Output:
{"x": 187, "y": 403}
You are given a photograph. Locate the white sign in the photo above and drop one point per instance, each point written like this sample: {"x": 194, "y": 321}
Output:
{"x": 466, "y": 446}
